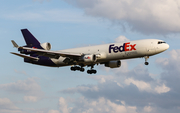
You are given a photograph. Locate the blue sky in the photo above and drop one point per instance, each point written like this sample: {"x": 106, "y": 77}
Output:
{"x": 132, "y": 88}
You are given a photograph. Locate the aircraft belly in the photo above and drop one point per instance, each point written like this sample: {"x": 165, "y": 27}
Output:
{"x": 43, "y": 62}
{"x": 59, "y": 62}
{"x": 124, "y": 55}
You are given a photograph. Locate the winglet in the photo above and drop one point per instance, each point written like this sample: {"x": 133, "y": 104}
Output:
{"x": 14, "y": 44}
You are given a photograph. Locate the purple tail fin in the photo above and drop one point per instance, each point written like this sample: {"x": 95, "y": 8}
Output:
{"x": 29, "y": 38}
{"x": 31, "y": 42}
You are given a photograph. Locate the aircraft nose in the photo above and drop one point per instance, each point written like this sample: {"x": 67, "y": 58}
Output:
{"x": 167, "y": 46}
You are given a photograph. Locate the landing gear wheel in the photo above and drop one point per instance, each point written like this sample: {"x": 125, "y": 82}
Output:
{"x": 82, "y": 69}
{"x": 146, "y": 63}
{"x": 146, "y": 58}
{"x": 94, "y": 71}
{"x": 77, "y": 68}
{"x": 73, "y": 69}
{"x": 91, "y": 71}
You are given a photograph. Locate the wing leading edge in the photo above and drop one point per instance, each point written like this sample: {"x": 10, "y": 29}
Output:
{"x": 47, "y": 53}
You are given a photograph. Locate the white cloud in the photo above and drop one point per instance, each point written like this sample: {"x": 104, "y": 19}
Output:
{"x": 28, "y": 86}
{"x": 102, "y": 78}
{"x": 53, "y": 111}
{"x": 121, "y": 108}
{"x": 20, "y": 72}
{"x": 162, "y": 61}
{"x": 101, "y": 105}
{"x": 141, "y": 85}
{"x": 147, "y": 109}
{"x": 80, "y": 89}
{"x": 63, "y": 106}
{"x": 123, "y": 103}
{"x": 41, "y": 0}
{"x": 53, "y": 15}
{"x": 121, "y": 39}
{"x": 119, "y": 84}
{"x": 162, "y": 89}
{"x": 145, "y": 16}
{"x": 30, "y": 98}
{"x": 170, "y": 63}
{"x": 6, "y": 106}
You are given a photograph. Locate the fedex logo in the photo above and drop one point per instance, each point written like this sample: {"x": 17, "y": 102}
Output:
{"x": 87, "y": 57}
{"x": 125, "y": 47}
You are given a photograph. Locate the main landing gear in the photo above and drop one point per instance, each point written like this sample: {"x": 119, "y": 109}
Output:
{"x": 77, "y": 68}
{"x": 146, "y": 58}
{"x": 92, "y": 71}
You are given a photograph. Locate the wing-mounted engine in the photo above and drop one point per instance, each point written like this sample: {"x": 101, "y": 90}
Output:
{"x": 88, "y": 58}
{"x": 46, "y": 46}
{"x": 101, "y": 55}
{"x": 113, "y": 64}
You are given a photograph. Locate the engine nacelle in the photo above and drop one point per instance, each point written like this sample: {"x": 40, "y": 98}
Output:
{"x": 113, "y": 64}
{"x": 46, "y": 46}
{"x": 24, "y": 51}
{"x": 89, "y": 58}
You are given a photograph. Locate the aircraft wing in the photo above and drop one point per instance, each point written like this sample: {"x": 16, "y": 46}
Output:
{"x": 52, "y": 54}
{"x": 47, "y": 53}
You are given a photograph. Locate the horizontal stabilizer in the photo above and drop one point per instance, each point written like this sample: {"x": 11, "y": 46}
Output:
{"x": 24, "y": 56}
{"x": 14, "y": 44}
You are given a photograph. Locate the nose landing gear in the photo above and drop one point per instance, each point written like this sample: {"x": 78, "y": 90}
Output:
{"x": 146, "y": 58}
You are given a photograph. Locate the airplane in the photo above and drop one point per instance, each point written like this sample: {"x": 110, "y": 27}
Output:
{"x": 110, "y": 55}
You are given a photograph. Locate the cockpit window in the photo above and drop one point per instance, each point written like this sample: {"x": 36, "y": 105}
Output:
{"x": 160, "y": 42}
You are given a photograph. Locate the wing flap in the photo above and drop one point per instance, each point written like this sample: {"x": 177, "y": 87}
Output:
{"x": 24, "y": 56}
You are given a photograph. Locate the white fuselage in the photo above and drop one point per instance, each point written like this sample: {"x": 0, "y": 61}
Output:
{"x": 110, "y": 55}
{"x": 118, "y": 51}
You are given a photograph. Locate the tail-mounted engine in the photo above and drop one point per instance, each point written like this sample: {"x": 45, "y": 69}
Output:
{"x": 46, "y": 46}
{"x": 113, "y": 64}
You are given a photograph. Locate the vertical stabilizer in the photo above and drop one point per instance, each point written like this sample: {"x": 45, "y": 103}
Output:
{"x": 29, "y": 38}
{"x": 31, "y": 42}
